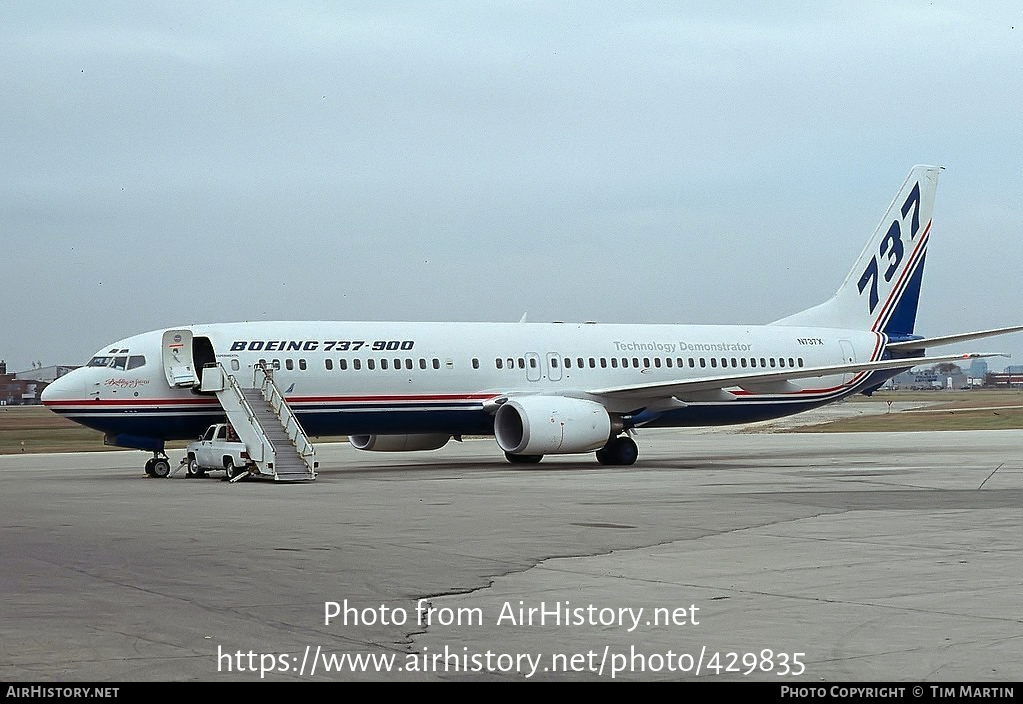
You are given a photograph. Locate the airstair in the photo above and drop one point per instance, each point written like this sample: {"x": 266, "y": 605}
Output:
{"x": 264, "y": 421}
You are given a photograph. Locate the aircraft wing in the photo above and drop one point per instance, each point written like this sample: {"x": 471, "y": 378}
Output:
{"x": 769, "y": 382}
{"x": 950, "y": 339}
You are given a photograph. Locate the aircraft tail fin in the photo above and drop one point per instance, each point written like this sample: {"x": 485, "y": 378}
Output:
{"x": 882, "y": 290}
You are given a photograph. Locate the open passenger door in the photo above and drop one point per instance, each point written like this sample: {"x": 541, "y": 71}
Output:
{"x": 177, "y": 358}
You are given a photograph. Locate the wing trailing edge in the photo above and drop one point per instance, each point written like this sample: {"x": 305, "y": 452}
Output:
{"x": 773, "y": 378}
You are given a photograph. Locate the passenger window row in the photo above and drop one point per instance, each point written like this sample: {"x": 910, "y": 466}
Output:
{"x": 408, "y": 364}
{"x": 656, "y": 362}
{"x": 358, "y": 364}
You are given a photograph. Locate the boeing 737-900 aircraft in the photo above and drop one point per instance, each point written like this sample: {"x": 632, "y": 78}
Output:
{"x": 537, "y": 388}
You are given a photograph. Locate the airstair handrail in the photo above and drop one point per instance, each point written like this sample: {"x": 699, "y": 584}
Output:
{"x": 289, "y": 421}
{"x": 253, "y": 423}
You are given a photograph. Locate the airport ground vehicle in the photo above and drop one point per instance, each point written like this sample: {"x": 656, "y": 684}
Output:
{"x": 218, "y": 449}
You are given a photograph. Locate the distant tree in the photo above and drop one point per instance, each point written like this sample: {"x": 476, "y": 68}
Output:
{"x": 948, "y": 368}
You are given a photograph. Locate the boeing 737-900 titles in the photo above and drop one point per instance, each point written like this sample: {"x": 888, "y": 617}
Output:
{"x": 538, "y": 389}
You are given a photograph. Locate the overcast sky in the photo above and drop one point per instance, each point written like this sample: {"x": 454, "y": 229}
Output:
{"x": 171, "y": 163}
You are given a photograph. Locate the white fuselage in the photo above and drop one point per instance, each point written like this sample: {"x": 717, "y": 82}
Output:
{"x": 345, "y": 378}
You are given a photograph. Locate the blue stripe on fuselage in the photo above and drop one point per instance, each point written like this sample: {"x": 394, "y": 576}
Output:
{"x": 188, "y": 424}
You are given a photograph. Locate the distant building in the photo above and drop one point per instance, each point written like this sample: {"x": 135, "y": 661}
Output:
{"x": 1005, "y": 379}
{"x": 954, "y": 378}
{"x": 932, "y": 378}
{"x": 26, "y": 388}
{"x": 46, "y": 374}
{"x": 977, "y": 373}
{"x": 15, "y": 392}
{"x": 916, "y": 379}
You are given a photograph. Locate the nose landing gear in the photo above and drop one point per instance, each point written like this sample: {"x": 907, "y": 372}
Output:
{"x": 158, "y": 467}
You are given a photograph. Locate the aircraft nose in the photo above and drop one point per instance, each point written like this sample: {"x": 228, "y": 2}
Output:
{"x": 67, "y": 388}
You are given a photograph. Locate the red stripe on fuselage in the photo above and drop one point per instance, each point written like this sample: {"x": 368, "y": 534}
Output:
{"x": 152, "y": 403}
{"x": 875, "y": 355}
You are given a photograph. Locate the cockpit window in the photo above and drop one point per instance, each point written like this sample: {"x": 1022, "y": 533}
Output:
{"x": 119, "y": 362}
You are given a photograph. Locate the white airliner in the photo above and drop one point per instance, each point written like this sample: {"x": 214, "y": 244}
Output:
{"x": 537, "y": 388}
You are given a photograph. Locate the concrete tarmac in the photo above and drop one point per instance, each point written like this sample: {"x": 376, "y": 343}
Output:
{"x": 793, "y": 558}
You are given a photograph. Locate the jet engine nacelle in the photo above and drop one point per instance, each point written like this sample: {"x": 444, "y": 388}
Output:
{"x": 399, "y": 443}
{"x": 544, "y": 425}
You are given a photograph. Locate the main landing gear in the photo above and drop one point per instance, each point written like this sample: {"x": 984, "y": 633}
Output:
{"x": 158, "y": 467}
{"x": 621, "y": 451}
{"x": 523, "y": 459}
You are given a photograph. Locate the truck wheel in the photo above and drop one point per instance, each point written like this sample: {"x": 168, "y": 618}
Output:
{"x": 229, "y": 467}
{"x": 194, "y": 470}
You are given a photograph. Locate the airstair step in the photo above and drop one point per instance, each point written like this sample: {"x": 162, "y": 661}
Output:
{"x": 279, "y": 429}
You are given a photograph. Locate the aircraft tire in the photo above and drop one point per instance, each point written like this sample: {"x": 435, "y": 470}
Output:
{"x": 149, "y": 467}
{"x": 523, "y": 459}
{"x": 161, "y": 468}
{"x": 621, "y": 452}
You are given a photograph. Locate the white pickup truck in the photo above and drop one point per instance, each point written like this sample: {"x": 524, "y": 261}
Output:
{"x": 218, "y": 449}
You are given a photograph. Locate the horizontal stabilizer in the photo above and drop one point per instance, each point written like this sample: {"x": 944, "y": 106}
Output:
{"x": 951, "y": 339}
